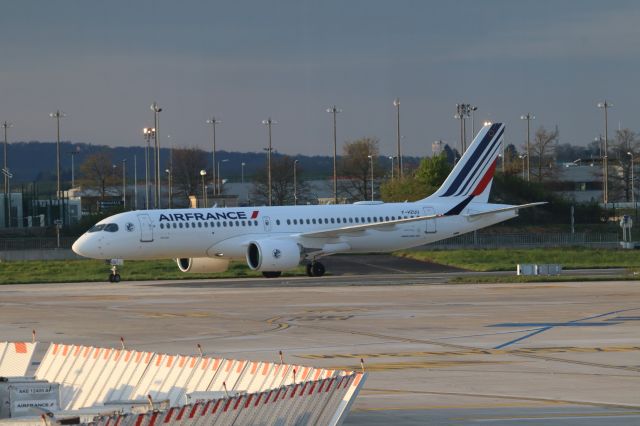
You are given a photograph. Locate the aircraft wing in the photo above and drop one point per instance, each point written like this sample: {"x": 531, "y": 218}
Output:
{"x": 504, "y": 209}
{"x": 380, "y": 226}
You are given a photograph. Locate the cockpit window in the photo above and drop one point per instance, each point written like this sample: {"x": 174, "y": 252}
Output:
{"x": 112, "y": 227}
{"x": 97, "y": 228}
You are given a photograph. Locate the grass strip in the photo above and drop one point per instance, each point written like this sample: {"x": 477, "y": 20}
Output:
{"x": 52, "y": 271}
{"x": 486, "y": 260}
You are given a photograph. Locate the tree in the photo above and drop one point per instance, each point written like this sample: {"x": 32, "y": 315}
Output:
{"x": 355, "y": 168}
{"x": 542, "y": 150}
{"x": 282, "y": 190}
{"x": 97, "y": 170}
{"x": 187, "y": 163}
{"x": 512, "y": 161}
{"x": 429, "y": 176}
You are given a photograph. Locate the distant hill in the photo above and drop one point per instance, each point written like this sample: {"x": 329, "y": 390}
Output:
{"x": 36, "y": 161}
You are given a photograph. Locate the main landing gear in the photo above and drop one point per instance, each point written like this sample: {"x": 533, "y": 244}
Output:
{"x": 315, "y": 269}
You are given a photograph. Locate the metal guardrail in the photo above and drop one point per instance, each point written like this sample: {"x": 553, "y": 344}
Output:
{"x": 35, "y": 243}
{"x": 528, "y": 240}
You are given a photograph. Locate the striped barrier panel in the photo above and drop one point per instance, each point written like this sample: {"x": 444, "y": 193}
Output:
{"x": 297, "y": 404}
{"x": 167, "y": 377}
{"x": 89, "y": 375}
{"x": 228, "y": 374}
{"x": 15, "y": 358}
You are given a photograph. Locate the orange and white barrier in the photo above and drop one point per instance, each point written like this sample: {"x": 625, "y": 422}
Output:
{"x": 15, "y": 358}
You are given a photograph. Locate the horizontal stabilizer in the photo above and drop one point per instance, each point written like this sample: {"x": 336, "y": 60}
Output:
{"x": 504, "y": 209}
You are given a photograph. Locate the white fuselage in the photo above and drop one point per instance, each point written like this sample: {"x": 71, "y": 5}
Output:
{"x": 226, "y": 232}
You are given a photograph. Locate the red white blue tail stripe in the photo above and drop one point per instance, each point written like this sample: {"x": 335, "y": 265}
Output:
{"x": 474, "y": 172}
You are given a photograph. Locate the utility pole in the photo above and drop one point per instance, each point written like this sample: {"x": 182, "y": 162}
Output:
{"x": 124, "y": 184}
{"x": 148, "y": 133}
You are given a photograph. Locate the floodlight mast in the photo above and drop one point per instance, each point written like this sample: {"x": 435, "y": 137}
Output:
{"x": 335, "y": 110}
{"x": 156, "y": 124}
{"x": 58, "y": 115}
{"x": 269, "y": 122}
{"x": 605, "y": 159}
{"x": 5, "y": 126}
{"x": 528, "y": 117}
{"x": 213, "y": 122}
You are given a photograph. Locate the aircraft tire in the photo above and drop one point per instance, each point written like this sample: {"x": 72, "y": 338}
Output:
{"x": 309, "y": 269}
{"x": 317, "y": 269}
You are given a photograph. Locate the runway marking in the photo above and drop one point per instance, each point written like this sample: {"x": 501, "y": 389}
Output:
{"x": 418, "y": 364}
{"x": 567, "y": 349}
{"x": 550, "y": 325}
{"x": 559, "y": 416}
{"x": 507, "y": 397}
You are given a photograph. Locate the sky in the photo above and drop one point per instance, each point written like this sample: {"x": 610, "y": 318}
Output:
{"x": 104, "y": 63}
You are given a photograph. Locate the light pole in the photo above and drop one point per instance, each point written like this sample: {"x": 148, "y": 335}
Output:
{"x": 148, "y": 133}
{"x": 220, "y": 188}
{"x": 334, "y": 110}
{"x": 473, "y": 110}
{"x": 135, "y": 182}
{"x": 124, "y": 184}
{"x": 396, "y": 103}
{"x": 58, "y": 115}
{"x": 269, "y": 122}
{"x": 295, "y": 183}
{"x": 528, "y": 117}
{"x": 522, "y": 157}
{"x": 73, "y": 174}
{"x": 213, "y": 123}
{"x": 5, "y": 126}
{"x": 391, "y": 158}
{"x": 242, "y": 172}
{"x": 371, "y": 167}
{"x": 170, "y": 178}
{"x": 606, "y": 105}
{"x": 462, "y": 112}
{"x": 633, "y": 195}
{"x": 156, "y": 126}
{"x": 203, "y": 173}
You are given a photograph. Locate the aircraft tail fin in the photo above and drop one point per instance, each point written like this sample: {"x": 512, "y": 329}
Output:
{"x": 473, "y": 173}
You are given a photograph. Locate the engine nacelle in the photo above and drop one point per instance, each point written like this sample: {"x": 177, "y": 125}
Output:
{"x": 202, "y": 265}
{"x": 273, "y": 255}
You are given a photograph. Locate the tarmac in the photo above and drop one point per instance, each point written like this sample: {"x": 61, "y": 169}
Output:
{"x": 546, "y": 353}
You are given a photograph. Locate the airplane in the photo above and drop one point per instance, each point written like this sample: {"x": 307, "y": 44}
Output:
{"x": 275, "y": 239}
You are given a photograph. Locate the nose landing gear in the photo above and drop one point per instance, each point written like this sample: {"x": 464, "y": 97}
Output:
{"x": 114, "y": 276}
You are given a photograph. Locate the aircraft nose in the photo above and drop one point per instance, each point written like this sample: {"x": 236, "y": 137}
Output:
{"x": 80, "y": 247}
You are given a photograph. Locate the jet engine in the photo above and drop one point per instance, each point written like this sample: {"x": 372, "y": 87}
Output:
{"x": 273, "y": 255}
{"x": 202, "y": 265}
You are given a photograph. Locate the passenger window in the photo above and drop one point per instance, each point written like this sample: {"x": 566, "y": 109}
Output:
{"x": 224, "y": 223}
{"x": 255, "y": 223}
{"x": 162, "y": 226}
{"x": 308, "y": 222}
{"x": 206, "y": 224}
{"x": 295, "y": 221}
{"x": 199, "y": 224}
{"x": 237, "y": 223}
{"x": 288, "y": 221}
{"x": 333, "y": 220}
{"x": 277, "y": 221}
{"x": 327, "y": 220}
{"x": 356, "y": 220}
{"x": 180, "y": 224}
{"x": 313, "y": 221}
{"x": 244, "y": 223}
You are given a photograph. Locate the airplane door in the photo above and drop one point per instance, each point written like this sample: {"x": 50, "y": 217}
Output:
{"x": 430, "y": 225}
{"x": 266, "y": 222}
{"x": 146, "y": 228}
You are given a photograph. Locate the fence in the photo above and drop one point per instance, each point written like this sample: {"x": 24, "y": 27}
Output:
{"x": 35, "y": 243}
{"x": 528, "y": 240}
